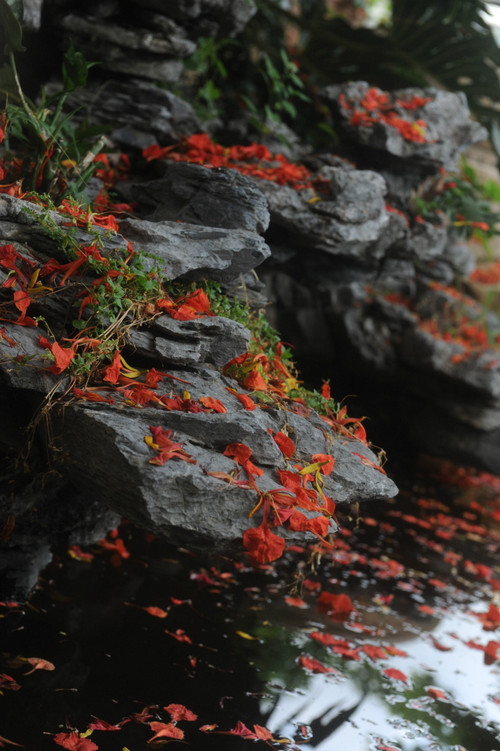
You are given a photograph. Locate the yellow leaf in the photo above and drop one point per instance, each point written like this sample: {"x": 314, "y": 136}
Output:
{"x": 311, "y": 468}
{"x": 244, "y": 635}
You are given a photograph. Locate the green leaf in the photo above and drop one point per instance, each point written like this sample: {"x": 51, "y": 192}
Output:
{"x": 11, "y": 16}
{"x": 75, "y": 69}
{"x": 7, "y": 81}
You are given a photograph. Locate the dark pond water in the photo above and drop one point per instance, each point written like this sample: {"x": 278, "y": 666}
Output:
{"x": 120, "y": 634}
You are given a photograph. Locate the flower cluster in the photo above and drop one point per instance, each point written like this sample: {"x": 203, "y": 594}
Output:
{"x": 458, "y": 322}
{"x": 377, "y": 106}
{"x": 281, "y": 505}
{"x": 254, "y": 160}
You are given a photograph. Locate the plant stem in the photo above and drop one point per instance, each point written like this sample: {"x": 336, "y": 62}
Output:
{"x": 20, "y": 92}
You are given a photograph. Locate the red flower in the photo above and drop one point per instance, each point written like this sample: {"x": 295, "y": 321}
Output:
{"x": 337, "y": 605}
{"x": 165, "y": 730}
{"x": 62, "y": 356}
{"x": 315, "y": 666}
{"x": 112, "y": 372}
{"x": 241, "y": 455}
{"x": 167, "y": 449}
{"x": 212, "y": 404}
{"x": 262, "y": 544}
{"x": 74, "y": 742}
{"x": 179, "y": 712}
{"x": 286, "y": 445}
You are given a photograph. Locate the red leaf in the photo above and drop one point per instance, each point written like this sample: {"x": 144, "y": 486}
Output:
{"x": 22, "y": 301}
{"x": 392, "y": 650}
{"x": 329, "y": 463}
{"x": 103, "y": 725}
{"x": 241, "y": 454}
{"x": 241, "y": 729}
{"x": 295, "y": 602}
{"x": 286, "y": 445}
{"x": 328, "y": 639}
{"x": 91, "y": 396}
{"x": 199, "y": 301}
{"x": 262, "y": 733}
{"x": 396, "y": 674}
{"x": 262, "y": 544}
{"x": 62, "y": 357}
{"x": 247, "y": 401}
{"x": 180, "y": 635}
{"x": 438, "y": 645}
{"x": 39, "y": 664}
{"x": 339, "y": 605}
{"x": 165, "y": 730}
{"x": 157, "y": 612}
{"x": 346, "y": 653}
{"x": 179, "y": 712}
{"x": 373, "y": 652}
{"x": 214, "y": 404}
{"x": 301, "y": 523}
{"x": 436, "y": 693}
{"x": 254, "y": 381}
{"x": 490, "y": 652}
{"x": 315, "y": 666}
{"x": 7, "y": 682}
{"x": 74, "y": 742}
{"x": 112, "y": 372}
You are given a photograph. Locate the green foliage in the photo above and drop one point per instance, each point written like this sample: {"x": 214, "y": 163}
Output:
{"x": 445, "y": 42}
{"x": 11, "y": 16}
{"x": 283, "y": 87}
{"x": 210, "y": 72}
{"x": 467, "y": 203}
{"x": 51, "y": 155}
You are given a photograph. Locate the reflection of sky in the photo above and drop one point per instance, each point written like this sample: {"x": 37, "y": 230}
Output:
{"x": 460, "y": 673}
{"x": 493, "y": 15}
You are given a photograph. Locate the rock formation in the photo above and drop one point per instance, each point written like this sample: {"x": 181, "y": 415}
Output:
{"x": 357, "y": 280}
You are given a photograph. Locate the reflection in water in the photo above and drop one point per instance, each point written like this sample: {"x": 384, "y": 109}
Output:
{"x": 111, "y": 644}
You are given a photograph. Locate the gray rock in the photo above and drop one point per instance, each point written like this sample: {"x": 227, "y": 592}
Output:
{"x": 138, "y": 106}
{"x": 193, "y": 252}
{"x": 24, "y": 366}
{"x": 165, "y": 39}
{"x": 449, "y": 128}
{"x": 28, "y": 224}
{"x": 327, "y": 224}
{"x": 210, "y": 340}
{"x": 32, "y": 15}
{"x": 200, "y": 195}
{"x": 179, "y": 500}
{"x": 207, "y": 17}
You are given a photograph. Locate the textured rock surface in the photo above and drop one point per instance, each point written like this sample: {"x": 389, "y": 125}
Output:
{"x": 448, "y": 130}
{"x": 179, "y": 500}
{"x": 199, "y": 195}
{"x": 191, "y": 251}
{"x": 139, "y": 112}
{"x": 337, "y": 224}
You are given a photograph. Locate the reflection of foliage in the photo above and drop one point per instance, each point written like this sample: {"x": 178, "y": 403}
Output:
{"x": 457, "y": 727}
